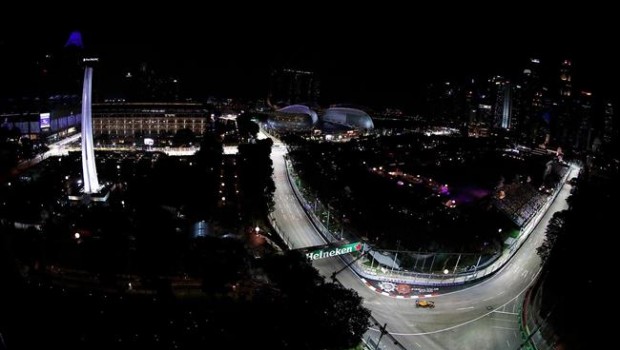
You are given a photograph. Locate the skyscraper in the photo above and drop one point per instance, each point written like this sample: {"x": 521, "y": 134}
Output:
{"x": 566, "y": 86}
{"x": 583, "y": 115}
{"x": 292, "y": 86}
{"x": 449, "y": 103}
{"x": 608, "y": 124}
{"x": 506, "y": 106}
{"x": 529, "y": 105}
{"x": 503, "y": 105}
{"x": 564, "y": 124}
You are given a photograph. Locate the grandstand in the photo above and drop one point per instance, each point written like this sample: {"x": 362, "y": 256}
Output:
{"x": 520, "y": 202}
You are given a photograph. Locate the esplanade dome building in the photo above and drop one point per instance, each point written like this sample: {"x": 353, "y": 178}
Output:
{"x": 350, "y": 117}
{"x": 293, "y": 117}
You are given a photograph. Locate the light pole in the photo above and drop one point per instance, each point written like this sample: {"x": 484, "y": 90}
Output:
{"x": 430, "y": 270}
{"x": 342, "y": 227}
{"x": 478, "y": 263}
{"x": 383, "y": 332}
{"x": 395, "y": 256}
{"x": 327, "y": 225}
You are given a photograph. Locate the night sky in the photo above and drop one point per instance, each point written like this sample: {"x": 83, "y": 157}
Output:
{"x": 377, "y": 58}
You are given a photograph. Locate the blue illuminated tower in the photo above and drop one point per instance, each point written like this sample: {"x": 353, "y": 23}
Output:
{"x": 89, "y": 169}
{"x": 506, "y": 106}
{"x": 503, "y": 104}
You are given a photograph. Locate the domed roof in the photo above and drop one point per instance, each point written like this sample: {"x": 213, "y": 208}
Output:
{"x": 348, "y": 116}
{"x": 300, "y": 109}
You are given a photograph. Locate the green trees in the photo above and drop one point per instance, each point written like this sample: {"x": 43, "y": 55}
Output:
{"x": 555, "y": 229}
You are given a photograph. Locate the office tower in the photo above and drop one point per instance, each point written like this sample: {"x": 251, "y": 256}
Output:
{"x": 503, "y": 105}
{"x": 293, "y": 86}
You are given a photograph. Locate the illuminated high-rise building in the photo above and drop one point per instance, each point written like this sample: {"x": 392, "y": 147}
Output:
{"x": 506, "y": 106}
{"x": 608, "y": 123}
{"x": 566, "y": 86}
{"x": 565, "y": 124}
{"x": 503, "y": 105}
{"x": 529, "y": 105}
{"x": 486, "y": 96}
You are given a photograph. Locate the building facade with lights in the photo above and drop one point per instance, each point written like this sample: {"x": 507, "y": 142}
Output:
{"x": 122, "y": 119}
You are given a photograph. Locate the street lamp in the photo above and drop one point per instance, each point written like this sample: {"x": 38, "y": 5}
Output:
{"x": 257, "y": 229}
{"x": 395, "y": 256}
{"x": 383, "y": 330}
{"x": 342, "y": 227}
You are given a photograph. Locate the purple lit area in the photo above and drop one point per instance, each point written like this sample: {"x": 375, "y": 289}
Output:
{"x": 75, "y": 39}
{"x": 443, "y": 189}
{"x": 470, "y": 194}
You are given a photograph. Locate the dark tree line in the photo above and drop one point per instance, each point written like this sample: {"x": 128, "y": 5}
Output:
{"x": 579, "y": 253}
{"x": 289, "y": 307}
{"x": 385, "y": 211}
{"x": 246, "y": 127}
{"x": 255, "y": 177}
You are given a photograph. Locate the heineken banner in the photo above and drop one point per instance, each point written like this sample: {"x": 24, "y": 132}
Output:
{"x": 329, "y": 252}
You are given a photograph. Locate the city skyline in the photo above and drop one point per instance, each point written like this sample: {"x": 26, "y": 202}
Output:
{"x": 385, "y": 64}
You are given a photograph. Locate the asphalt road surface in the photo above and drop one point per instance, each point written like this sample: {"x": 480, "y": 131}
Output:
{"x": 290, "y": 217}
{"x": 482, "y": 316}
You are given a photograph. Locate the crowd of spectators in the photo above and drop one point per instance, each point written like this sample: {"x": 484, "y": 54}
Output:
{"x": 519, "y": 201}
